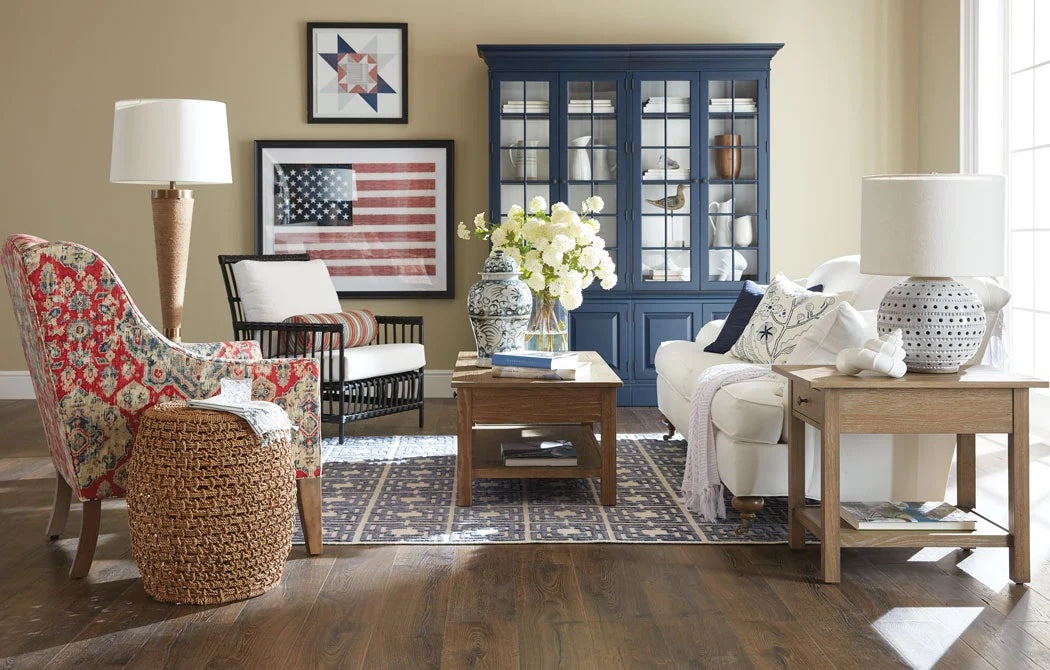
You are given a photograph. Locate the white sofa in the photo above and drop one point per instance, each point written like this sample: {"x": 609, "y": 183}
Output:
{"x": 751, "y": 418}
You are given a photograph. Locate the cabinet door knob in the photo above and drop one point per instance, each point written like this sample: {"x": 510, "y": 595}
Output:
{"x": 802, "y": 400}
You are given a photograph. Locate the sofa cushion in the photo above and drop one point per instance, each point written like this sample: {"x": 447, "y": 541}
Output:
{"x": 272, "y": 291}
{"x": 375, "y": 360}
{"x": 739, "y": 315}
{"x": 841, "y": 328}
{"x": 750, "y": 411}
{"x": 680, "y": 362}
{"x": 787, "y": 310}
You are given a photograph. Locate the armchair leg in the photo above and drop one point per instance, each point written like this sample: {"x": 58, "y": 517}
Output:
{"x": 420, "y": 416}
{"x": 60, "y": 512}
{"x": 342, "y": 432}
{"x": 308, "y": 496}
{"x": 88, "y": 539}
{"x": 748, "y": 506}
{"x": 670, "y": 428}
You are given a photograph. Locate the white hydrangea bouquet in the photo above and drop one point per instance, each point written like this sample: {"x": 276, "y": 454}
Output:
{"x": 559, "y": 254}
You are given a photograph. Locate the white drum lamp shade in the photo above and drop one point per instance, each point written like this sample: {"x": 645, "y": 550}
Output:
{"x": 933, "y": 225}
{"x": 931, "y": 228}
{"x": 170, "y": 142}
{"x": 162, "y": 141}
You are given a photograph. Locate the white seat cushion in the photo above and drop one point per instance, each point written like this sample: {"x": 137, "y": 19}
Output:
{"x": 750, "y": 411}
{"x": 272, "y": 291}
{"x": 376, "y": 360}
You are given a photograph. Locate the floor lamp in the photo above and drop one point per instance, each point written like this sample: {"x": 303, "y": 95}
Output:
{"x": 171, "y": 142}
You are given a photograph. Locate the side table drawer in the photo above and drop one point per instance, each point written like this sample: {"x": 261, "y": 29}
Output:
{"x": 808, "y": 401}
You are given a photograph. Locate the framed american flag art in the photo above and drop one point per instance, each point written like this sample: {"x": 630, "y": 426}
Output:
{"x": 379, "y": 213}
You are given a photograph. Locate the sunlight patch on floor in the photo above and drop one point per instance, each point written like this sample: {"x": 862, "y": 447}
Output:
{"x": 922, "y": 635}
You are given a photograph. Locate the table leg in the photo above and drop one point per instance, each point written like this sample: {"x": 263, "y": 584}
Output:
{"x": 464, "y": 448}
{"x": 966, "y": 471}
{"x": 608, "y": 447}
{"x": 829, "y": 491}
{"x": 796, "y": 478}
{"x": 1017, "y": 468}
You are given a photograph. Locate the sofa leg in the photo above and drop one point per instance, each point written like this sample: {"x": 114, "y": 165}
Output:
{"x": 60, "y": 512}
{"x": 308, "y": 495}
{"x": 748, "y": 506}
{"x": 670, "y": 428}
{"x": 88, "y": 539}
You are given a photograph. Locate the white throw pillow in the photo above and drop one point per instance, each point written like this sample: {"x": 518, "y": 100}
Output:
{"x": 272, "y": 291}
{"x": 786, "y": 312}
{"x": 839, "y": 329}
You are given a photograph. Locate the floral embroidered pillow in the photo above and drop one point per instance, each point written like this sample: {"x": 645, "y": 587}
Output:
{"x": 786, "y": 312}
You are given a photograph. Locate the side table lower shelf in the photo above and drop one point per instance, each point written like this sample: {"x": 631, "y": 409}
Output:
{"x": 988, "y": 534}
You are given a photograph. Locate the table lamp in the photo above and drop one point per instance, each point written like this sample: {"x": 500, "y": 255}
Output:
{"x": 170, "y": 142}
{"x": 931, "y": 228}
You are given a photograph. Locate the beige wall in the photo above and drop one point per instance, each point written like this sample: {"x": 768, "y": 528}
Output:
{"x": 938, "y": 86}
{"x": 845, "y": 100}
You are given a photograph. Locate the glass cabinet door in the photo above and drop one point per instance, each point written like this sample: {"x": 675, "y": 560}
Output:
{"x": 736, "y": 184}
{"x": 526, "y": 139}
{"x": 666, "y": 176}
{"x": 592, "y": 141}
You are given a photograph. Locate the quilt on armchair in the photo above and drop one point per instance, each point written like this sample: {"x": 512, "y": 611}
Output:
{"x": 96, "y": 364}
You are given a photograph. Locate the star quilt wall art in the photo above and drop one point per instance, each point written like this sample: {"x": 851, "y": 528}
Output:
{"x": 377, "y": 212}
{"x": 357, "y": 72}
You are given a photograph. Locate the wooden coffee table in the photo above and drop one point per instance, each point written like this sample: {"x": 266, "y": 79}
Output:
{"x": 492, "y": 410}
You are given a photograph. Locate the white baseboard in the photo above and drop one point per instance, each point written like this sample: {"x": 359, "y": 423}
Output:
{"x": 16, "y": 385}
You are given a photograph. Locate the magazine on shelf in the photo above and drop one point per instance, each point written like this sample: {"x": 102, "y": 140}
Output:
{"x": 548, "y": 360}
{"x": 922, "y": 516}
{"x": 568, "y": 373}
{"x": 539, "y": 452}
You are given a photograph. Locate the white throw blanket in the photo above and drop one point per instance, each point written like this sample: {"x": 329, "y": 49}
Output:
{"x": 701, "y": 486}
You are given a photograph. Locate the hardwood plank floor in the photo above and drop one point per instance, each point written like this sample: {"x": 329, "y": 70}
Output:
{"x": 527, "y": 606}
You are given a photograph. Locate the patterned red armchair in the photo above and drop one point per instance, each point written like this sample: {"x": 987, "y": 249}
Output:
{"x": 97, "y": 364}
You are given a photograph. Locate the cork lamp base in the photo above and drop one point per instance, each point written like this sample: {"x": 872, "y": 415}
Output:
{"x": 172, "y": 216}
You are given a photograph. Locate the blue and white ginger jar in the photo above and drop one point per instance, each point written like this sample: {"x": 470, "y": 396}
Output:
{"x": 499, "y": 306}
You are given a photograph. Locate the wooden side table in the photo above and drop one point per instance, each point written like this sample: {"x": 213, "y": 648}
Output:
{"x": 977, "y": 400}
{"x": 493, "y": 409}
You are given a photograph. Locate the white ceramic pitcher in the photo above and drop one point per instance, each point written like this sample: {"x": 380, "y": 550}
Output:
{"x": 579, "y": 161}
{"x": 523, "y": 157}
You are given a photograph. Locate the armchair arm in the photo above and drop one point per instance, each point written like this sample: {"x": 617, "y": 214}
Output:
{"x": 396, "y": 329}
{"x": 245, "y": 350}
{"x": 277, "y": 339}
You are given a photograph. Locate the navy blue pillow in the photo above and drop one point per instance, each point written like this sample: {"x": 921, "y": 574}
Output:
{"x": 744, "y": 307}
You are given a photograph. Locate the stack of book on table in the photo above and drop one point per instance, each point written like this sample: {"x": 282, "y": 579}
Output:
{"x": 669, "y": 105}
{"x": 923, "y": 516}
{"x": 526, "y": 107}
{"x": 742, "y": 105}
{"x": 585, "y": 106}
{"x": 550, "y": 365}
{"x": 538, "y": 453}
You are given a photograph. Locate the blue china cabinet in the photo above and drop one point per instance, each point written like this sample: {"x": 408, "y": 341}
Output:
{"x": 675, "y": 139}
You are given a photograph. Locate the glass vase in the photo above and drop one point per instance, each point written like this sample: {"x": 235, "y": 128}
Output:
{"x": 549, "y": 326}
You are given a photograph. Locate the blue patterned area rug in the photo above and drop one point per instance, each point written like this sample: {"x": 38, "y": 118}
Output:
{"x": 401, "y": 490}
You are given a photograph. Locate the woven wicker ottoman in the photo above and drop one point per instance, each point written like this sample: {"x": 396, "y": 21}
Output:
{"x": 210, "y": 509}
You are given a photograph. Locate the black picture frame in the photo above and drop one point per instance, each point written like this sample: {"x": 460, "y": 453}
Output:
{"x": 422, "y": 221}
{"x": 313, "y": 99}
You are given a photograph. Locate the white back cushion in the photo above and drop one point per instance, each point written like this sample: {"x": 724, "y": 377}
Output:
{"x": 272, "y": 291}
{"x": 839, "y": 329}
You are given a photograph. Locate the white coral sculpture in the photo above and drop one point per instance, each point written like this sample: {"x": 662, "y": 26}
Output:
{"x": 884, "y": 355}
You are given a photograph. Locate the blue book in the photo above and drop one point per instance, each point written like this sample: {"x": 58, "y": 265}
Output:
{"x": 546, "y": 360}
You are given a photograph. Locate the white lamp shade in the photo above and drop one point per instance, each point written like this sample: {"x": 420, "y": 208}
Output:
{"x": 160, "y": 141}
{"x": 933, "y": 225}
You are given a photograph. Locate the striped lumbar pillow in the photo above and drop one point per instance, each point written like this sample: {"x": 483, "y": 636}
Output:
{"x": 359, "y": 328}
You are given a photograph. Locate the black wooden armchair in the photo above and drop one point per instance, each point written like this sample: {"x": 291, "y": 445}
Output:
{"x": 342, "y": 399}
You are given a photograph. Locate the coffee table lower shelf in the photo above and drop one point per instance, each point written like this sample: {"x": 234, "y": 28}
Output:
{"x": 487, "y": 461}
{"x": 988, "y": 534}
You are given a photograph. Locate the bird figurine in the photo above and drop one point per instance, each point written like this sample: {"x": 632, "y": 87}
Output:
{"x": 671, "y": 202}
